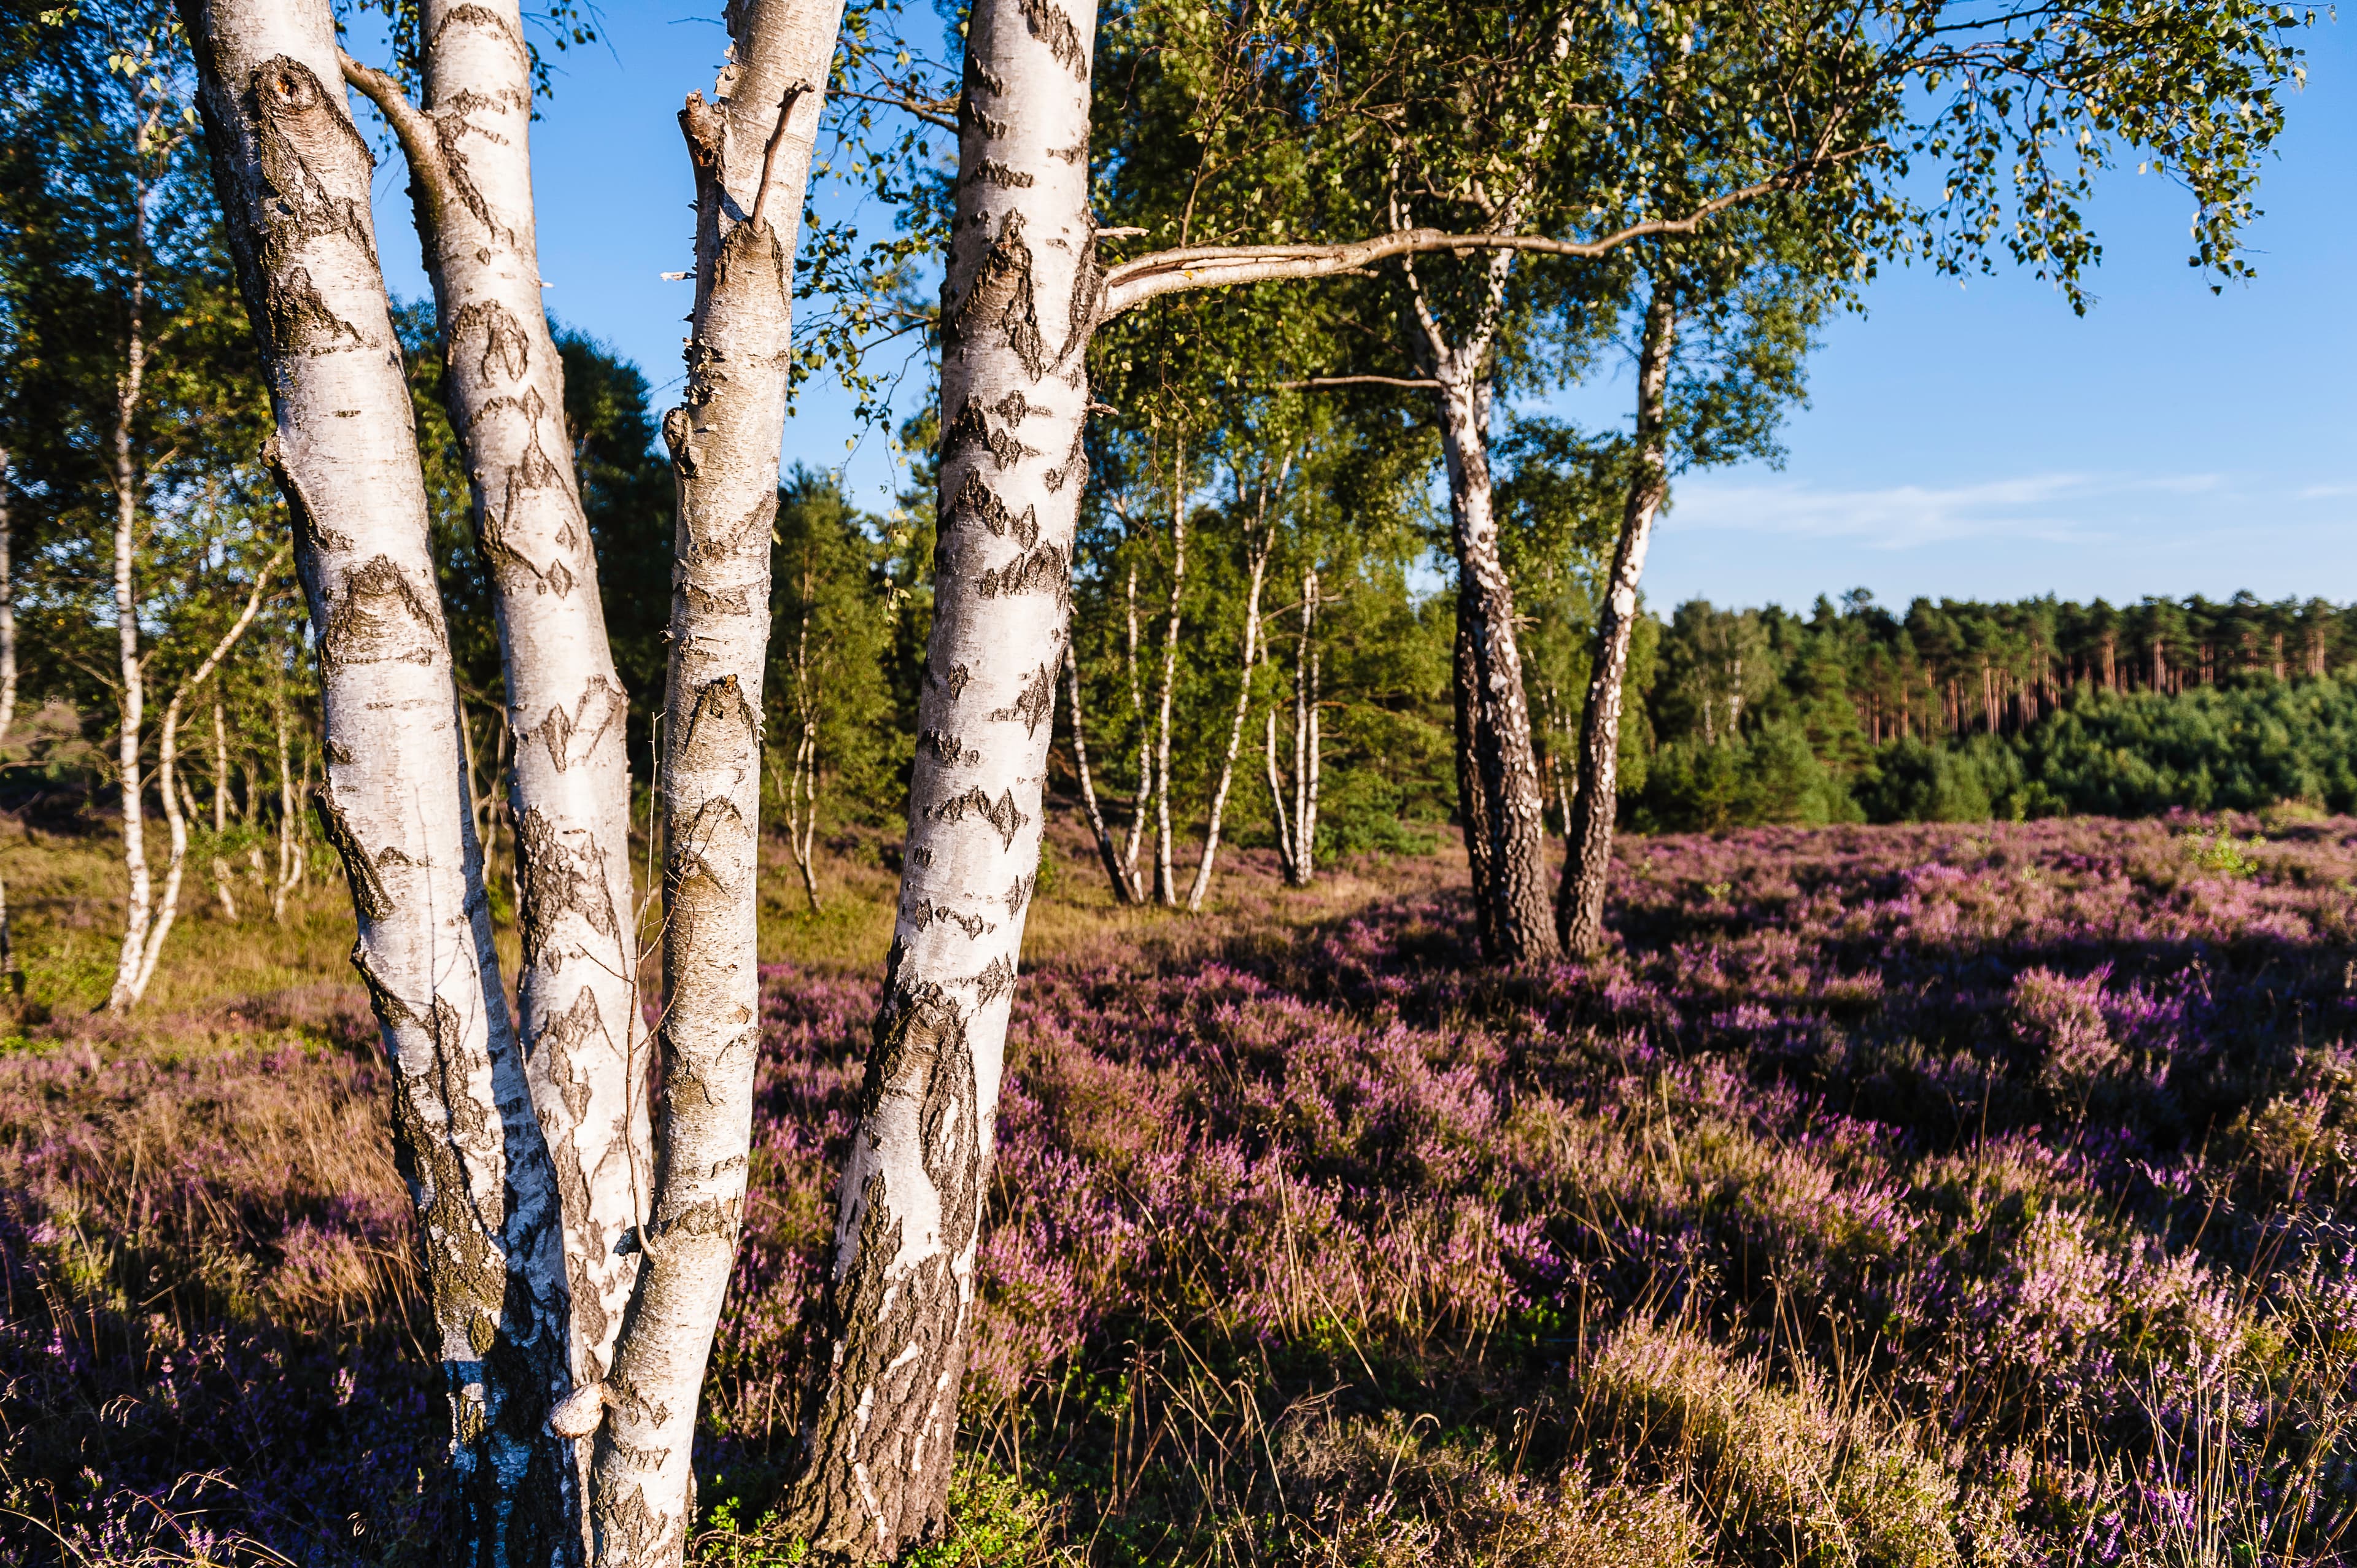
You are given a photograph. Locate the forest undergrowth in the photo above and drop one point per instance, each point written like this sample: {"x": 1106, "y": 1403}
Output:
{"x": 1918, "y": 1195}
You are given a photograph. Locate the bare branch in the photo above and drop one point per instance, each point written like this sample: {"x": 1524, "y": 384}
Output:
{"x": 1224, "y": 266}
{"x": 1318, "y": 384}
{"x": 420, "y": 138}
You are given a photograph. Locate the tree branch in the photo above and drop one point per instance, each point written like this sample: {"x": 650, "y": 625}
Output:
{"x": 1224, "y": 266}
{"x": 420, "y": 138}
{"x": 1318, "y": 384}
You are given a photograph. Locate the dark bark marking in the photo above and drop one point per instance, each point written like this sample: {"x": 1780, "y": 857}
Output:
{"x": 1042, "y": 571}
{"x": 971, "y": 428}
{"x": 947, "y": 748}
{"x": 368, "y": 895}
{"x": 505, "y": 346}
{"x": 1000, "y": 298}
{"x": 1014, "y": 408}
{"x": 1003, "y": 814}
{"x": 556, "y": 879}
{"x": 924, "y": 912}
{"x": 380, "y": 616}
{"x": 994, "y": 982}
{"x": 1071, "y": 155}
{"x": 992, "y": 172}
{"x": 1087, "y": 301}
{"x": 976, "y": 500}
{"x": 977, "y": 73}
{"x": 1036, "y": 702}
{"x": 308, "y": 532}
{"x": 1075, "y": 461}
{"x": 307, "y": 150}
{"x": 300, "y": 320}
{"x": 955, "y": 684}
{"x": 1020, "y": 894}
{"x": 560, "y": 729}
{"x": 1051, "y": 26}
{"x": 721, "y": 727}
{"x": 566, "y": 1033}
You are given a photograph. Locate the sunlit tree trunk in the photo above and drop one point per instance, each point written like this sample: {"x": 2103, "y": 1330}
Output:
{"x": 750, "y": 149}
{"x": 1124, "y": 891}
{"x": 1134, "y": 892}
{"x": 167, "y": 761}
{"x": 468, "y": 149}
{"x": 1166, "y": 875}
{"x": 1306, "y": 654}
{"x": 284, "y": 882}
{"x": 1496, "y": 771}
{"x": 1255, "y": 576}
{"x": 799, "y": 787}
{"x": 8, "y": 605}
{"x": 1595, "y": 807}
{"x": 294, "y": 178}
{"x": 1019, "y": 302}
{"x": 130, "y": 671}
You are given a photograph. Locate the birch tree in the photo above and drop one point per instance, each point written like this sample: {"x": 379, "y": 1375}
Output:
{"x": 293, "y": 174}
{"x": 1022, "y": 297}
{"x": 750, "y": 147}
{"x": 467, "y": 144}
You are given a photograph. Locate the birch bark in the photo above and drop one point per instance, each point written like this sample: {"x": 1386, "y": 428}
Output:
{"x": 8, "y": 605}
{"x": 1166, "y": 875}
{"x": 293, "y": 174}
{"x": 750, "y": 147}
{"x": 1498, "y": 784}
{"x": 130, "y": 669}
{"x": 1256, "y": 576}
{"x": 1133, "y": 891}
{"x": 1020, "y": 300}
{"x": 167, "y": 762}
{"x": 1107, "y": 851}
{"x": 1588, "y": 865}
{"x": 468, "y": 150}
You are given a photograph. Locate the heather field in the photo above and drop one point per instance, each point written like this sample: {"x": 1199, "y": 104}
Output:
{"x": 1920, "y": 1195}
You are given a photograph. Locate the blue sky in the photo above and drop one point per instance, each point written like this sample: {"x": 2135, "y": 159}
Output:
{"x": 1976, "y": 441}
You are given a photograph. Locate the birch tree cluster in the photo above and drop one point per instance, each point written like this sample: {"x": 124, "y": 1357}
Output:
{"x": 1233, "y": 518}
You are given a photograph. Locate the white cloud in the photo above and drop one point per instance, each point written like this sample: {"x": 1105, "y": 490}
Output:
{"x": 2075, "y": 508}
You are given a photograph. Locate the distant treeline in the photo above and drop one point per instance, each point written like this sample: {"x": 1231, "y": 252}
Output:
{"x": 1957, "y": 711}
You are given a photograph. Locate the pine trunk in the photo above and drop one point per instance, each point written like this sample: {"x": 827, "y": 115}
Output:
{"x": 752, "y": 151}
{"x": 577, "y": 990}
{"x": 1595, "y": 807}
{"x": 1020, "y": 303}
{"x": 294, "y": 178}
{"x": 1497, "y": 772}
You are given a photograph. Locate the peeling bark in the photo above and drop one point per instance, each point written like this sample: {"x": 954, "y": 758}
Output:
{"x": 469, "y": 157}
{"x": 1020, "y": 300}
{"x": 293, "y": 174}
{"x": 750, "y": 147}
{"x": 1588, "y": 867}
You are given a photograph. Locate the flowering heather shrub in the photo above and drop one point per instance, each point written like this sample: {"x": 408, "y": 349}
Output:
{"x": 1898, "y": 1196}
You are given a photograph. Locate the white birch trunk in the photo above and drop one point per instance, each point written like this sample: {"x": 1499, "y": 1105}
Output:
{"x": 1020, "y": 299}
{"x": 284, "y": 880}
{"x": 1258, "y": 575}
{"x": 1166, "y": 875}
{"x": 1123, "y": 890}
{"x": 138, "y": 910}
{"x": 220, "y": 764}
{"x": 8, "y": 605}
{"x": 1587, "y": 863}
{"x": 168, "y": 761}
{"x": 1276, "y": 802}
{"x": 469, "y": 154}
{"x": 294, "y": 178}
{"x": 751, "y": 151}
{"x": 1134, "y": 893}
